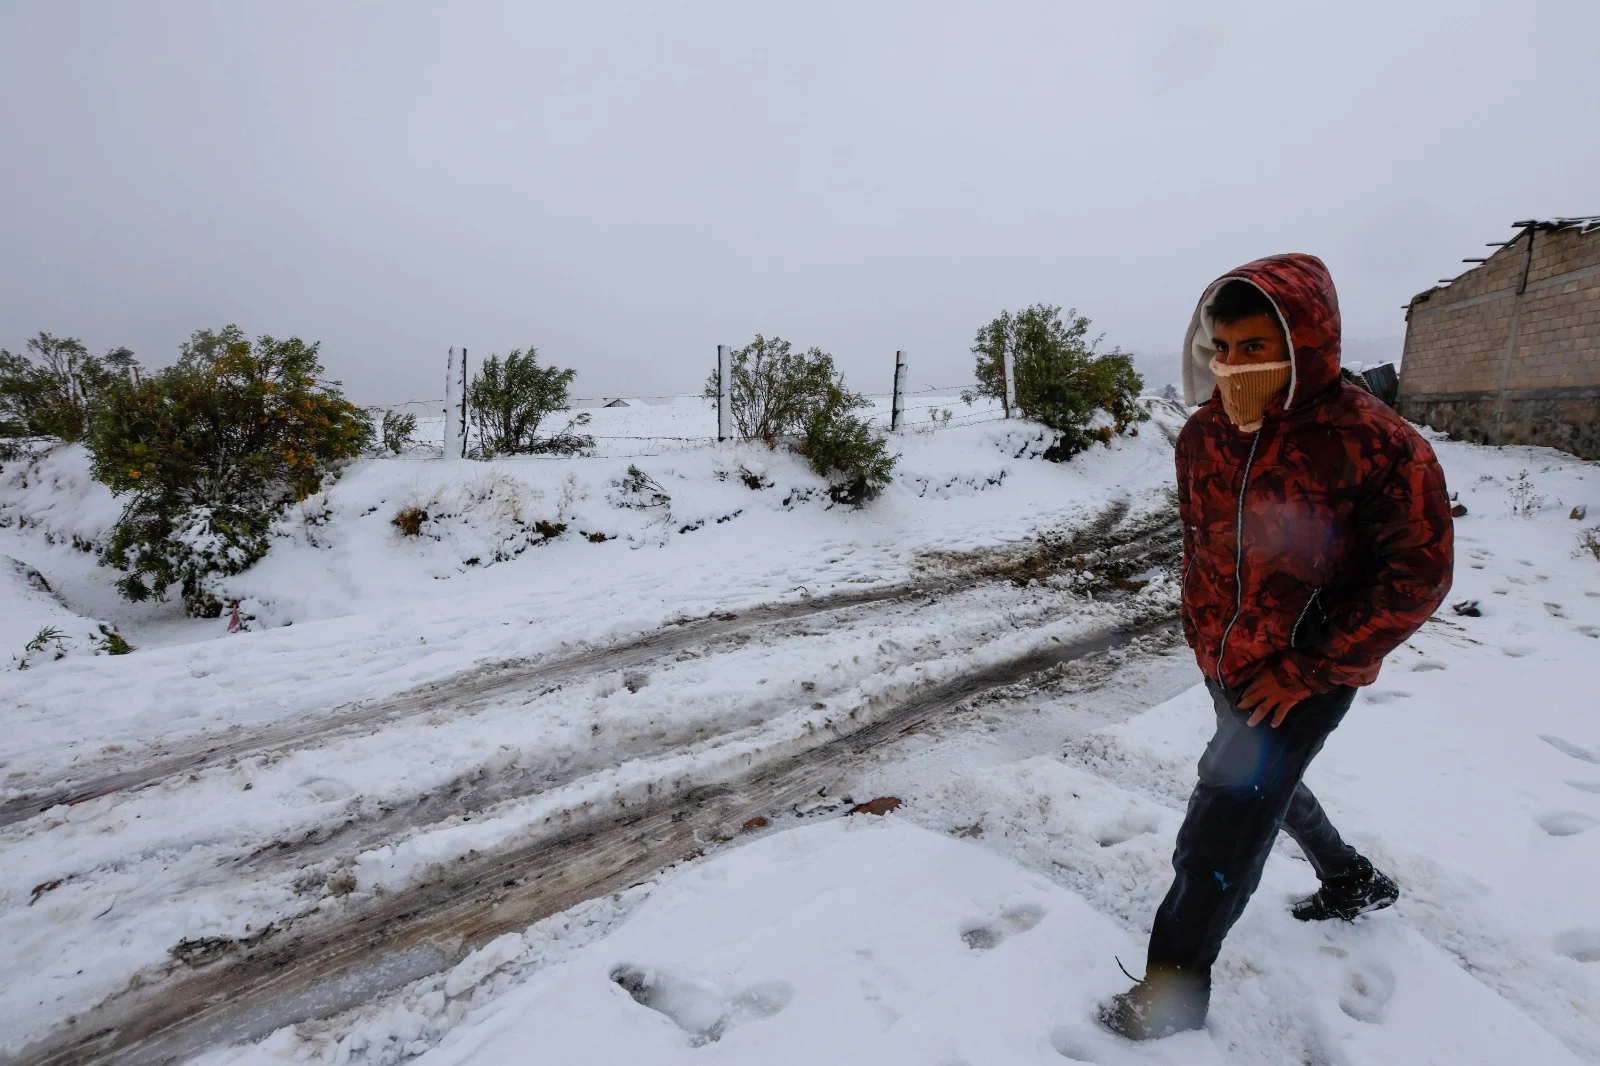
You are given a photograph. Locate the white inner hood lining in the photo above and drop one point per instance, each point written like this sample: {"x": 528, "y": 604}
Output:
{"x": 1198, "y": 348}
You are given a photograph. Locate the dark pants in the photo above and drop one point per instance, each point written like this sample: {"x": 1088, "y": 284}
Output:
{"x": 1249, "y": 787}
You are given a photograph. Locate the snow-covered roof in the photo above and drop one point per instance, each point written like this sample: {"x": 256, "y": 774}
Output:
{"x": 1582, "y": 223}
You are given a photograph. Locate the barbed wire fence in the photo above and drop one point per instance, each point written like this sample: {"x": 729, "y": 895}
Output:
{"x": 443, "y": 426}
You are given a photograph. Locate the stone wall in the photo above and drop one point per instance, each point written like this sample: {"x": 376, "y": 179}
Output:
{"x": 1568, "y": 419}
{"x": 1509, "y": 353}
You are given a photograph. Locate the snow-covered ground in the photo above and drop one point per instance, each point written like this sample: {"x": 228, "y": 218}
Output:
{"x": 977, "y": 923}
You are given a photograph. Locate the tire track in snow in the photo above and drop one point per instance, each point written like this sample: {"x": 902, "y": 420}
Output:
{"x": 313, "y": 850}
{"x": 1097, "y": 541}
{"x": 318, "y": 968}
{"x": 479, "y": 788}
{"x": 475, "y": 688}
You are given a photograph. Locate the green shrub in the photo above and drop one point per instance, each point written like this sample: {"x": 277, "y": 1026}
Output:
{"x": 843, "y": 447}
{"x": 639, "y": 491}
{"x": 56, "y": 386}
{"x": 395, "y": 430}
{"x": 1061, "y": 380}
{"x": 779, "y": 395}
{"x": 44, "y": 637}
{"x": 209, "y": 451}
{"x": 510, "y": 399}
{"x": 774, "y": 389}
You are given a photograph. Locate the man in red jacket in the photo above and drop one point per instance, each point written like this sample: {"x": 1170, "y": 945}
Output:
{"x": 1316, "y": 538}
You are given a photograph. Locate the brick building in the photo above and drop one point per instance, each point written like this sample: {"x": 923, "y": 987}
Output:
{"x": 1509, "y": 352}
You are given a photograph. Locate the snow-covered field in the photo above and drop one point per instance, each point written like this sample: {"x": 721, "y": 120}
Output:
{"x": 400, "y": 707}
{"x": 667, "y": 424}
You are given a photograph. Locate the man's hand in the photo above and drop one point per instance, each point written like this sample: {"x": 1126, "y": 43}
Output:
{"x": 1268, "y": 697}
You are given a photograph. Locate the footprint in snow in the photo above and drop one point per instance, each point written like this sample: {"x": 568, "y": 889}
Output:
{"x": 1368, "y": 988}
{"x": 982, "y": 936}
{"x": 1579, "y": 945}
{"x": 1566, "y": 823}
{"x": 1518, "y": 651}
{"x": 1075, "y": 1045}
{"x": 1586, "y": 786}
{"x": 701, "y": 1010}
{"x": 1385, "y": 697}
{"x": 1589, "y": 631}
{"x": 326, "y": 789}
{"x": 1130, "y": 825}
{"x": 1567, "y": 747}
{"x": 1081, "y": 1043}
{"x": 1428, "y": 664}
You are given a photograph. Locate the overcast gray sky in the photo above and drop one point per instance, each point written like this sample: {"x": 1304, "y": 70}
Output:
{"x": 626, "y": 185}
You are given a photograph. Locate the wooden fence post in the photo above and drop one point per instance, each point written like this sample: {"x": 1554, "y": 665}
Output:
{"x": 897, "y": 407}
{"x": 1008, "y": 364}
{"x": 455, "y": 406}
{"x": 463, "y": 403}
{"x": 452, "y": 441}
{"x": 724, "y": 392}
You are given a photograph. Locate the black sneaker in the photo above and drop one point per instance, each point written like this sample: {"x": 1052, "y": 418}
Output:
{"x": 1366, "y": 889}
{"x": 1162, "y": 1004}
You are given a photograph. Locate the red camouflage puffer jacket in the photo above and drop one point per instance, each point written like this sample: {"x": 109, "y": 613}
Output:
{"x": 1317, "y": 545}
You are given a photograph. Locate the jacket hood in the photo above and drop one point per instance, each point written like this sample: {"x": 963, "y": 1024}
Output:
{"x": 1300, "y": 287}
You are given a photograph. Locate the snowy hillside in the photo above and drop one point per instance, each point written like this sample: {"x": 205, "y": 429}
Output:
{"x": 567, "y": 768}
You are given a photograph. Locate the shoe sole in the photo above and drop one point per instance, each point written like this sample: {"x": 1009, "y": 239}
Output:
{"x": 1145, "y": 1038}
{"x": 1376, "y": 905}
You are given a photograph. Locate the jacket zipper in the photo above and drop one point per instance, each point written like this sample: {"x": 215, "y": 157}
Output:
{"x": 1238, "y": 558}
{"x": 1295, "y": 632}
{"x": 1183, "y": 592}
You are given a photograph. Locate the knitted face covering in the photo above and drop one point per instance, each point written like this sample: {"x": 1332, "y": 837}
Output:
{"x": 1247, "y": 389}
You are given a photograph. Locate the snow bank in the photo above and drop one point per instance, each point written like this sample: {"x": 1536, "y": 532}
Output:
{"x": 53, "y": 516}
{"x": 54, "y": 497}
{"x": 35, "y": 626}
{"x": 342, "y": 550}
